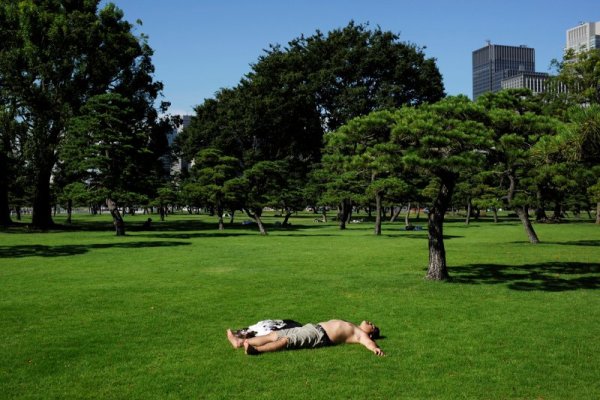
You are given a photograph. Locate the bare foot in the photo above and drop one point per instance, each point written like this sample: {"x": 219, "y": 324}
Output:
{"x": 235, "y": 341}
{"x": 249, "y": 349}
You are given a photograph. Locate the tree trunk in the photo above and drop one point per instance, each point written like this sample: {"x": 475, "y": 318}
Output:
{"x": 69, "y": 210}
{"x": 220, "y": 217}
{"x": 557, "y": 213}
{"x": 418, "y": 218}
{"x": 256, "y": 217}
{"x": 407, "y": 216}
{"x": 288, "y": 214}
{"x": 396, "y": 212}
{"x": 540, "y": 214}
{"x": 344, "y": 212}
{"x": 341, "y": 216}
{"x": 41, "y": 217}
{"x": 5, "y": 219}
{"x": 468, "y": 220}
{"x": 523, "y": 214}
{"x": 231, "y": 216}
{"x": 495, "y": 212}
{"x": 18, "y": 212}
{"x": 117, "y": 218}
{"x": 161, "y": 212}
{"x": 261, "y": 227}
{"x": 598, "y": 212}
{"x": 324, "y": 214}
{"x": 378, "y": 212}
{"x": 5, "y": 149}
{"x": 540, "y": 211}
{"x": 350, "y": 211}
{"x": 437, "y": 252}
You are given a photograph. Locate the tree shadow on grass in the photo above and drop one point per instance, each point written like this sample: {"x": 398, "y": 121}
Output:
{"x": 423, "y": 235}
{"x": 550, "y": 277}
{"x": 21, "y": 251}
{"x": 167, "y": 226}
{"x": 577, "y": 243}
{"x": 194, "y": 235}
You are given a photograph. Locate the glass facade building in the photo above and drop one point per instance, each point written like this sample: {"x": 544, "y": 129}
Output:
{"x": 493, "y": 63}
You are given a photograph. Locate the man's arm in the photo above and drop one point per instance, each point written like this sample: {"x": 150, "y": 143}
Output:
{"x": 366, "y": 341}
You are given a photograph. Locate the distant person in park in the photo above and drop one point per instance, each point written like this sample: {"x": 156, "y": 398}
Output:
{"x": 309, "y": 336}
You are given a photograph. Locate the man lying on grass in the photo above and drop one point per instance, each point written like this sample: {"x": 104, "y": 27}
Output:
{"x": 311, "y": 336}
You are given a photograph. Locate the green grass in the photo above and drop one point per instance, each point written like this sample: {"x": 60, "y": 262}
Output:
{"x": 85, "y": 314}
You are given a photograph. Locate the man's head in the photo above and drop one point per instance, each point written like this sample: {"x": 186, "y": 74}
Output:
{"x": 370, "y": 328}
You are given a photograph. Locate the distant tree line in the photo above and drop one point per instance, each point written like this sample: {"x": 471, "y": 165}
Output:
{"x": 351, "y": 118}
{"x": 309, "y": 128}
{"x": 271, "y": 125}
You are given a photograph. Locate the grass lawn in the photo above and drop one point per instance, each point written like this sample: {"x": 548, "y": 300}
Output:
{"x": 86, "y": 314}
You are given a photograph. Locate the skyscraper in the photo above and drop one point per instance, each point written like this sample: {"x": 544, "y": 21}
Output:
{"x": 494, "y": 62}
{"x": 584, "y": 37}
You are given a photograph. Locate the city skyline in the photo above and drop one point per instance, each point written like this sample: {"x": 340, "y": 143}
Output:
{"x": 201, "y": 47}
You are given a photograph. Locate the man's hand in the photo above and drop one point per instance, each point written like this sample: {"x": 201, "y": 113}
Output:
{"x": 378, "y": 352}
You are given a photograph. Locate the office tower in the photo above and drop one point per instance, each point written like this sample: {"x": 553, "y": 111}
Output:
{"x": 584, "y": 37}
{"x": 493, "y": 63}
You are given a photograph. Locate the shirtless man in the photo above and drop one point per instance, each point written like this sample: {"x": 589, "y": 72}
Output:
{"x": 328, "y": 333}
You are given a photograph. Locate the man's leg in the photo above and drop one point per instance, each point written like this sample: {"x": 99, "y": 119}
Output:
{"x": 237, "y": 342}
{"x": 263, "y": 344}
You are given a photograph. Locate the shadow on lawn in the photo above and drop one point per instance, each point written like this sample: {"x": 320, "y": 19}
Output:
{"x": 167, "y": 226}
{"x": 424, "y": 235}
{"x": 20, "y": 251}
{"x": 551, "y": 276}
{"x": 577, "y": 243}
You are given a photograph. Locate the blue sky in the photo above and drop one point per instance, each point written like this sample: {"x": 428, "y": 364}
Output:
{"x": 201, "y": 46}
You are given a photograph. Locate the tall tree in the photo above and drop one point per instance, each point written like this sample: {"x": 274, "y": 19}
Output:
{"x": 441, "y": 141}
{"x": 74, "y": 194}
{"x": 518, "y": 125}
{"x": 212, "y": 170}
{"x": 363, "y": 147}
{"x": 54, "y": 56}
{"x": 259, "y": 187}
{"x": 355, "y": 70}
{"x": 314, "y": 84}
{"x": 107, "y": 148}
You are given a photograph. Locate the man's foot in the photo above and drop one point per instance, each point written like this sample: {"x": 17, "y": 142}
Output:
{"x": 235, "y": 341}
{"x": 249, "y": 349}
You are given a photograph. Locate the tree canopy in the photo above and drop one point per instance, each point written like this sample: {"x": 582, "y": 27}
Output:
{"x": 54, "y": 57}
{"x": 315, "y": 84}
